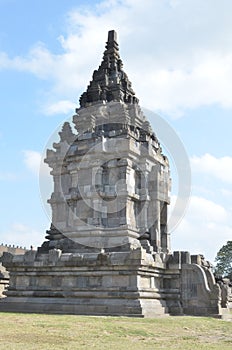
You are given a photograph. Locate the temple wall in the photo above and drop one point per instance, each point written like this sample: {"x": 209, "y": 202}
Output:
{"x": 4, "y": 275}
{"x": 199, "y": 295}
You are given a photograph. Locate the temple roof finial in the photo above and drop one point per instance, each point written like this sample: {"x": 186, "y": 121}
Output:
{"x": 112, "y": 36}
{"x": 110, "y": 82}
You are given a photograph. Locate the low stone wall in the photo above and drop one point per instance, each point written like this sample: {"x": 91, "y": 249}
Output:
{"x": 4, "y": 280}
{"x": 200, "y": 294}
{"x": 4, "y": 275}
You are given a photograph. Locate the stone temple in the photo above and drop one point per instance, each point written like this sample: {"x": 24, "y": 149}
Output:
{"x": 108, "y": 248}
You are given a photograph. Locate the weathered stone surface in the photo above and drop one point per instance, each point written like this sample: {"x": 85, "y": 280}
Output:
{"x": 116, "y": 283}
{"x": 108, "y": 249}
{"x": 200, "y": 294}
{"x": 110, "y": 82}
{"x": 8, "y": 251}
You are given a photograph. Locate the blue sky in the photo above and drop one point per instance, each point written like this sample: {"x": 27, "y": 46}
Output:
{"x": 178, "y": 55}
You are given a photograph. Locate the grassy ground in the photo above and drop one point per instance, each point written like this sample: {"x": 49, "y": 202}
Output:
{"x": 48, "y": 332}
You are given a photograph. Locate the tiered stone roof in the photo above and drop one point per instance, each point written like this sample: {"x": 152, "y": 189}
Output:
{"x": 110, "y": 82}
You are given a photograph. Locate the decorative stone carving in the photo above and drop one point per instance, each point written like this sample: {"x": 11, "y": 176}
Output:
{"x": 108, "y": 249}
{"x": 110, "y": 82}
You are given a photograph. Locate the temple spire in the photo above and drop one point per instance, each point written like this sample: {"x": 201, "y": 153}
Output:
{"x": 109, "y": 82}
{"x": 112, "y": 36}
{"x": 112, "y": 39}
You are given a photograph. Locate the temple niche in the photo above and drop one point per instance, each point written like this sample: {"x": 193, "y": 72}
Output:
{"x": 108, "y": 250}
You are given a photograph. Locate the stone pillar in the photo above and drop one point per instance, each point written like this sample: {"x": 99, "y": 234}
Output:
{"x": 70, "y": 213}
{"x": 157, "y": 234}
{"x": 130, "y": 180}
{"x": 97, "y": 176}
{"x": 97, "y": 212}
{"x": 57, "y": 183}
{"x": 74, "y": 178}
{"x": 144, "y": 201}
{"x": 165, "y": 237}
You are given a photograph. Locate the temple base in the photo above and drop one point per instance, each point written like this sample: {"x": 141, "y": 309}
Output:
{"x": 139, "y": 283}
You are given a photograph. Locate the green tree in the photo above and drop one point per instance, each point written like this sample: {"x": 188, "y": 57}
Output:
{"x": 224, "y": 261}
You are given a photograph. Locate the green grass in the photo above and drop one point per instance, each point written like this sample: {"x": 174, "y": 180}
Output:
{"x": 48, "y": 332}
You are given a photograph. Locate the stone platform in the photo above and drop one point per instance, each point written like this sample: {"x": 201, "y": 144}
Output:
{"x": 134, "y": 283}
{"x": 120, "y": 283}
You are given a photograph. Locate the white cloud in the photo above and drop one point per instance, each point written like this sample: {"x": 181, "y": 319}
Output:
{"x": 22, "y": 235}
{"x": 204, "y": 229}
{"x": 220, "y": 168}
{"x": 208, "y": 210}
{"x": 63, "y": 107}
{"x": 38, "y": 61}
{"x": 227, "y": 193}
{"x": 180, "y": 59}
{"x": 34, "y": 162}
{"x": 207, "y": 224}
{"x": 205, "y": 83}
